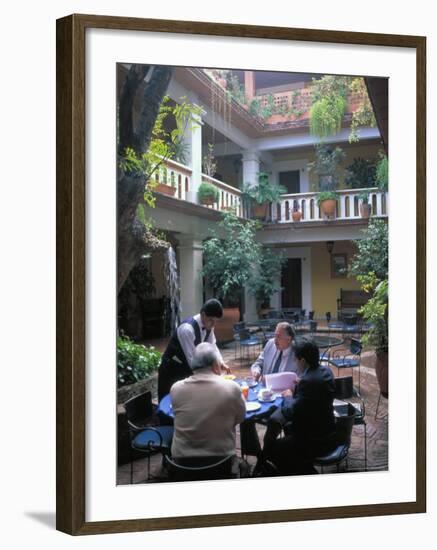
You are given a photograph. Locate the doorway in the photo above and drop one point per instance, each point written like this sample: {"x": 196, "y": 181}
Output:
{"x": 291, "y": 283}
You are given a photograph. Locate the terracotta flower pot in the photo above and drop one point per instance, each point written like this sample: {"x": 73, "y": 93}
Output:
{"x": 259, "y": 211}
{"x": 224, "y": 328}
{"x": 166, "y": 189}
{"x": 328, "y": 208}
{"x": 207, "y": 201}
{"x": 296, "y": 215}
{"x": 365, "y": 210}
{"x": 381, "y": 368}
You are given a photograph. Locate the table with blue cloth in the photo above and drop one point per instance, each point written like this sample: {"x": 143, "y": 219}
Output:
{"x": 248, "y": 435}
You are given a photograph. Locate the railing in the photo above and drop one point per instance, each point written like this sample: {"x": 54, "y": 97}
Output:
{"x": 230, "y": 197}
{"x": 348, "y": 205}
{"x": 176, "y": 176}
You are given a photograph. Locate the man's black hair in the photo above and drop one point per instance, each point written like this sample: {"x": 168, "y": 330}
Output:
{"x": 212, "y": 308}
{"x": 308, "y": 351}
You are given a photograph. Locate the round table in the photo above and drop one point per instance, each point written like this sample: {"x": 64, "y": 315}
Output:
{"x": 323, "y": 341}
{"x": 165, "y": 405}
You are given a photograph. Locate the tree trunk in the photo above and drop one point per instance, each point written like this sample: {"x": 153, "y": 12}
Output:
{"x": 133, "y": 237}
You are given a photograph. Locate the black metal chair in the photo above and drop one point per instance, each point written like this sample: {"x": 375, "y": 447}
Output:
{"x": 145, "y": 437}
{"x": 201, "y": 468}
{"x": 349, "y": 360}
{"x": 344, "y": 389}
{"x": 236, "y": 330}
{"x": 246, "y": 341}
{"x": 343, "y": 427}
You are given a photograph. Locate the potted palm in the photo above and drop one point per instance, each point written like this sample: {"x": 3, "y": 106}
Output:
{"x": 163, "y": 186}
{"x": 325, "y": 166}
{"x": 208, "y": 194}
{"x": 260, "y": 195}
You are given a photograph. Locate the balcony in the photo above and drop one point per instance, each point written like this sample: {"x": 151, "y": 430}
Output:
{"x": 175, "y": 179}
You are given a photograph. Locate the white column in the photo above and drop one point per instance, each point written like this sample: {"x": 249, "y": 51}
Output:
{"x": 193, "y": 136}
{"x": 250, "y": 312}
{"x": 251, "y": 164}
{"x": 190, "y": 260}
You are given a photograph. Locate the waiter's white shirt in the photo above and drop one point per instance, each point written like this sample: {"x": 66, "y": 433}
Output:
{"x": 186, "y": 336}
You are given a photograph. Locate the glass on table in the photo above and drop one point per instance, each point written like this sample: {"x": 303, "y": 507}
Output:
{"x": 244, "y": 389}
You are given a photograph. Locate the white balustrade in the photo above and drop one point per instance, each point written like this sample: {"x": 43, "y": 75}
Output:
{"x": 348, "y": 205}
{"x": 176, "y": 175}
{"x": 229, "y": 197}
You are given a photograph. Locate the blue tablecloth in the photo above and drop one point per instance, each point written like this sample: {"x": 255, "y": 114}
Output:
{"x": 165, "y": 405}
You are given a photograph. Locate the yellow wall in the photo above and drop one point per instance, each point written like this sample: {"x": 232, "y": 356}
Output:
{"x": 326, "y": 290}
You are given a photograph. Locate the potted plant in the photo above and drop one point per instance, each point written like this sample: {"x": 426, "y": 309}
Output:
{"x": 163, "y": 187}
{"x": 208, "y": 194}
{"x": 375, "y": 312}
{"x": 261, "y": 194}
{"x": 327, "y": 201}
{"x": 382, "y": 172}
{"x": 209, "y": 162}
{"x": 296, "y": 214}
{"x": 360, "y": 174}
{"x": 365, "y": 207}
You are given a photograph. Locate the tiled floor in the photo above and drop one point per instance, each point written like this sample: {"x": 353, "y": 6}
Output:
{"x": 377, "y": 429}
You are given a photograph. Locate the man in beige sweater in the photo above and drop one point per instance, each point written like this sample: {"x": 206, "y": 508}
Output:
{"x": 206, "y": 409}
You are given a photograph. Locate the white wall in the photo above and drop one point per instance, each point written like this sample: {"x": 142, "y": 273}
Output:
{"x": 28, "y": 274}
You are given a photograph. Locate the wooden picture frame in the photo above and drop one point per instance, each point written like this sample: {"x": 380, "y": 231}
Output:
{"x": 71, "y": 273}
{"x": 338, "y": 266}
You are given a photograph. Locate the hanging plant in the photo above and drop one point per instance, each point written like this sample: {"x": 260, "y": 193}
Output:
{"x": 326, "y": 116}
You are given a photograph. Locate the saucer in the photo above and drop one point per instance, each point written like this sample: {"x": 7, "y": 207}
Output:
{"x": 252, "y": 406}
{"x": 273, "y": 398}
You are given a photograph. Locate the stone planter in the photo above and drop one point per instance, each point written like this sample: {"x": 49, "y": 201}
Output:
{"x": 328, "y": 208}
{"x": 207, "y": 201}
{"x": 166, "y": 189}
{"x": 381, "y": 368}
{"x": 296, "y": 215}
{"x": 224, "y": 328}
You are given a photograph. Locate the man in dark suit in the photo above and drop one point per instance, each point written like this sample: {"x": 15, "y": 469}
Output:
{"x": 307, "y": 417}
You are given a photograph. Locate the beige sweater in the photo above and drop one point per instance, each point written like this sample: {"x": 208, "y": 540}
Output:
{"x": 206, "y": 410}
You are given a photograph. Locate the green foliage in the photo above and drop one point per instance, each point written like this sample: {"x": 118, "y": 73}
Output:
{"x": 375, "y": 311}
{"x": 326, "y": 165}
{"x": 330, "y": 85}
{"x": 255, "y": 107}
{"x": 372, "y": 251}
{"x": 134, "y": 361}
{"x": 325, "y": 196}
{"x": 265, "y": 279}
{"x": 382, "y": 172}
{"x": 234, "y": 259}
{"x": 364, "y": 115}
{"x": 326, "y": 116}
{"x": 360, "y": 174}
{"x": 208, "y": 191}
{"x": 164, "y": 144}
{"x": 235, "y": 89}
{"x": 263, "y": 191}
{"x": 364, "y": 197}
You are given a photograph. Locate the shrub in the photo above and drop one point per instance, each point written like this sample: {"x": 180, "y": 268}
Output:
{"x": 326, "y": 195}
{"x": 134, "y": 361}
{"x": 207, "y": 191}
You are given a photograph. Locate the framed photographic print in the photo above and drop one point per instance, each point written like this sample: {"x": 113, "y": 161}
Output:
{"x": 204, "y": 174}
{"x": 338, "y": 265}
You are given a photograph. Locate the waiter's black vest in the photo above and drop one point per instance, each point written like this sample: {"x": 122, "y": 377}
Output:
{"x": 174, "y": 348}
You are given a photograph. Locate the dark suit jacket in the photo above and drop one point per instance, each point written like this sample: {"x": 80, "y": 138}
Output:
{"x": 309, "y": 413}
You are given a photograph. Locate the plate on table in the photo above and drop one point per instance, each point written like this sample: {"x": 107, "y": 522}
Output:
{"x": 252, "y": 406}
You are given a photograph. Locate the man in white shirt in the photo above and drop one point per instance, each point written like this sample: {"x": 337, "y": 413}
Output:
{"x": 177, "y": 358}
{"x": 206, "y": 409}
{"x": 278, "y": 354}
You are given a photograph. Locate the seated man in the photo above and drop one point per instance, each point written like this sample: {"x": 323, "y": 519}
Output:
{"x": 307, "y": 417}
{"x": 206, "y": 409}
{"x": 278, "y": 354}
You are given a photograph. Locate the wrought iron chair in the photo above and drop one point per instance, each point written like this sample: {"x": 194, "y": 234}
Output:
{"x": 145, "y": 437}
{"x": 246, "y": 341}
{"x": 344, "y": 389}
{"x": 349, "y": 360}
{"x": 343, "y": 427}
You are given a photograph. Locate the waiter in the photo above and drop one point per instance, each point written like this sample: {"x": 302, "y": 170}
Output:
{"x": 176, "y": 360}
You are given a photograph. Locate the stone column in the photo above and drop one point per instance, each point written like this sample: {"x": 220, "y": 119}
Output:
{"x": 250, "y": 312}
{"x": 249, "y": 85}
{"x": 190, "y": 267}
{"x": 251, "y": 164}
{"x": 193, "y": 136}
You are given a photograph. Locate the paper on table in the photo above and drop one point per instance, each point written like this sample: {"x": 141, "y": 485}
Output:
{"x": 281, "y": 381}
